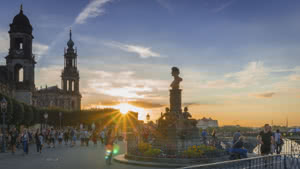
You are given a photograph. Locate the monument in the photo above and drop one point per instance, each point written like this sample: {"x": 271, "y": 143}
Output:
{"x": 175, "y": 127}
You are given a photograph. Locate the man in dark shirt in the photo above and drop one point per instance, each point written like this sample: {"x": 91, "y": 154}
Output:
{"x": 13, "y": 139}
{"x": 266, "y": 139}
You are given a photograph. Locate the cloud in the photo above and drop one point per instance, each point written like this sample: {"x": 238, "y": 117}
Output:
{"x": 92, "y": 10}
{"x": 39, "y": 49}
{"x": 146, "y": 105}
{"x": 143, "y": 52}
{"x": 4, "y": 42}
{"x": 264, "y": 95}
{"x": 121, "y": 85}
{"x": 48, "y": 76}
{"x": 252, "y": 74}
{"x": 165, "y": 4}
{"x": 223, "y": 6}
{"x": 294, "y": 77}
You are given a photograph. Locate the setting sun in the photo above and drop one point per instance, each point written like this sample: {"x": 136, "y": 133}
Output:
{"x": 124, "y": 108}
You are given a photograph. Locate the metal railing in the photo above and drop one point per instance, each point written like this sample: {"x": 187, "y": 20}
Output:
{"x": 262, "y": 162}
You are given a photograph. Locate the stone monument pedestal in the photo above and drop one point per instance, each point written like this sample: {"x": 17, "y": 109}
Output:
{"x": 175, "y": 101}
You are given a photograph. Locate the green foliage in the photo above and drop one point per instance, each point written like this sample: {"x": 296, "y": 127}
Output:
{"x": 21, "y": 113}
{"x": 28, "y": 114}
{"x": 199, "y": 151}
{"x": 9, "y": 110}
{"x": 18, "y": 112}
{"x": 152, "y": 152}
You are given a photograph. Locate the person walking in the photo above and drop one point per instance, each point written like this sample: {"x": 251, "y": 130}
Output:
{"x": 66, "y": 137}
{"x": 37, "y": 141}
{"x": 236, "y": 136}
{"x": 60, "y": 137}
{"x": 74, "y": 137}
{"x": 266, "y": 139}
{"x": 13, "y": 140}
{"x": 204, "y": 137}
{"x": 278, "y": 141}
{"x": 25, "y": 141}
{"x": 52, "y": 138}
{"x": 214, "y": 138}
{"x": 102, "y": 136}
{"x": 41, "y": 139}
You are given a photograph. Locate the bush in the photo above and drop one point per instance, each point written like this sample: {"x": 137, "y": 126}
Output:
{"x": 143, "y": 147}
{"x": 199, "y": 151}
{"x": 152, "y": 152}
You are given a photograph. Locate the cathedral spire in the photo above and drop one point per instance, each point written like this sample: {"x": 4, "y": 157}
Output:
{"x": 21, "y": 8}
{"x": 70, "y": 42}
{"x": 70, "y": 33}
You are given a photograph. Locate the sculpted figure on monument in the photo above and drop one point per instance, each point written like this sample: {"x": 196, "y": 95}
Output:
{"x": 177, "y": 79}
{"x": 186, "y": 114}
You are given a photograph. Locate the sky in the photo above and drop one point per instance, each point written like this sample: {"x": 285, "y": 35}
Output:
{"x": 239, "y": 60}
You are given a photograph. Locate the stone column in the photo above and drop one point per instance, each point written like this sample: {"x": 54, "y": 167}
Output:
{"x": 175, "y": 101}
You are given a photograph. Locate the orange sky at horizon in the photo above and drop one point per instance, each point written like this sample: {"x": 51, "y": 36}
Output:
{"x": 224, "y": 117}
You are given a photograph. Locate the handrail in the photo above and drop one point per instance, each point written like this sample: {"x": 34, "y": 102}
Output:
{"x": 274, "y": 159}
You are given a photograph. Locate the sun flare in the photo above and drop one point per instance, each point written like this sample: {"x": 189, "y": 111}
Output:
{"x": 124, "y": 108}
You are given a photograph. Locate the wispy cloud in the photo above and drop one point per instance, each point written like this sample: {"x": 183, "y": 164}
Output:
{"x": 264, "y": 95}
{"x": 166, "y": 4}
{"x": 92, "y": 10}
{"x": 143, "y": 52}
{"x": 223, "y": 6}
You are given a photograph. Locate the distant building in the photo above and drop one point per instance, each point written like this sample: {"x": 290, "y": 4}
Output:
{"x": 207, "y": 122}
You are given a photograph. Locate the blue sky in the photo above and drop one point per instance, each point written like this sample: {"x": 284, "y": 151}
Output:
{"x": 232, "y": 53}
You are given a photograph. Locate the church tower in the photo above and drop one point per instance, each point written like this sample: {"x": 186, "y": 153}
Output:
{"x": 70, "y": 75}
{"x": 20, "y": 60}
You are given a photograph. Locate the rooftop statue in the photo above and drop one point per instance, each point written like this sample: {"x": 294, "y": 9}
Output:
{"x": 177, "y": 79}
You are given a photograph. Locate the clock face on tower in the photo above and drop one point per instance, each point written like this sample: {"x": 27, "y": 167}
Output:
{"x": 19, "y": 51}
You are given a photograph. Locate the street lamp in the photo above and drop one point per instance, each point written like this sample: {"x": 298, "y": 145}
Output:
{"x": 46, "y": 118}
{"x": 60, "y": 115}
{"x": 3, "y": 110}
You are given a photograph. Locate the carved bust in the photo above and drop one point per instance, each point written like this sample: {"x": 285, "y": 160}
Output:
{"x": 177, "y": 79}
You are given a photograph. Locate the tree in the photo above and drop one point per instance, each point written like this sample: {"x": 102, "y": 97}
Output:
{"x": 28, "y": 115}
{"x": 36, "y": 115}
{"x": 9, "y": 110}
{"x": 18, "y": 112}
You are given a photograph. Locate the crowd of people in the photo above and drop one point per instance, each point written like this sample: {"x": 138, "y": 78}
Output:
{"x": 50, "y": 137}
{"x": 270, "y": 142}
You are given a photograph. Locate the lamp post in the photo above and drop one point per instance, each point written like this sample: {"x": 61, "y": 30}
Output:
{"x": 3, "y": 110}
{"x": 46, "y": 118}
{"x": 60, "y": 115}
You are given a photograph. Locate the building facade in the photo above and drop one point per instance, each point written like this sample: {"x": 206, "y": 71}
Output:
{"x": 68, "y": 97}
{"x": 206, "y": 122}
{"x": 18, "y": 73}
{"x": 17, "y": 77}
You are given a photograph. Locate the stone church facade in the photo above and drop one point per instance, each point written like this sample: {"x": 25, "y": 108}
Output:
{"x": 17, "y": 78}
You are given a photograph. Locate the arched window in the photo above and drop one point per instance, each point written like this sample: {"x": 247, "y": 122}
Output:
{"x": 68, "y": 87}
{"x": 21, "y": 75}
{"x": 73, "y": 86}
{"x": 21, "y": 45}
